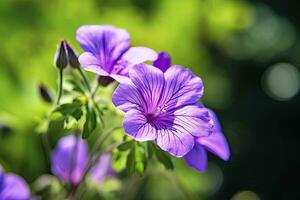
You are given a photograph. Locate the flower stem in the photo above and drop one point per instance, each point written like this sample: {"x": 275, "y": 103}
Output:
{"x": 95, "y": 158}
{"x": 85, "y": 79}
{"x": 60, "y": 86}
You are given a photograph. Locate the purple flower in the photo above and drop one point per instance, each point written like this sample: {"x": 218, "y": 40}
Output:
{"x": 216, "y": 143}
{"x": 13, "y": 187}
{"x": 163, "y": 107}
{"x": 70, "y": 159}
{"x": 163, "y": 62}
{"x": 103, "y": 169}
{"x": 107, "y": 51}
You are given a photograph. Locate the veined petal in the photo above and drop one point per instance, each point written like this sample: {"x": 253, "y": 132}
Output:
{"x": 136, "y": 126}
{"x": 195, "y": 119}
{"x": 197, "y": 158}
{"x": 163, "y": 62}
{"x": 14, "y": 187}
{"x": 175, "y": 140}
{"x": 150, "y": 83}
{"x": 182, "y": 87}
{"x": 106, "y": 42}
{"x": 127, "y": 97}
{"x": 91, "y": 63}
{"x": 216, "y": 143}
{"x": 137, "y": 55}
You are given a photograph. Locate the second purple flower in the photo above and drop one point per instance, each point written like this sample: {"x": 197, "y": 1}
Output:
{"x": 107, "y": 52}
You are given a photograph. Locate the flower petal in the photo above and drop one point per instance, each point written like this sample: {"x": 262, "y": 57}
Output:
{"x": 182, "y": 87}
{"x": 150, "y": 83}
{"x": 197, "y": 158}
{"x": 163, "y": 62}
{"x": 127, "y": 97}
{"x": 137, "y": 55}
{"x": 195, "y": 119}
{"x": 174, "y": 139}
{"x": 136, "y": 125}
{"x": 90, "y": 63}
{"x": 102, "y": 169}
{"x": 1, "y": 176}
{"x": 64, "y": 165}
{"x": 14, "y": 187}
{"x": 217, "y": 125}
{"x": 216, "y": 143}
{"x": 106, "y": 42}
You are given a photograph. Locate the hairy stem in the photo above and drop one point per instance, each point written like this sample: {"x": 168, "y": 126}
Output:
{"x": 85, "y": 79}
{"x": 60, "y": 86}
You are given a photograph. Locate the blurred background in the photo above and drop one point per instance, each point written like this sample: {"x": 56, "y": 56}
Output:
{"x": 246, "y": 52}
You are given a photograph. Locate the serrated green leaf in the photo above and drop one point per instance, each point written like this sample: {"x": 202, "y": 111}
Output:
{"x": 93, "y": 119}
{"x": 90, "y": 123}
{"x": 140, "y": 160}
{"x": 126, "y": 145}
{"x": 119, "y": 160}
{"x": 130, "y": 162}
{"x": 164, "y": 158}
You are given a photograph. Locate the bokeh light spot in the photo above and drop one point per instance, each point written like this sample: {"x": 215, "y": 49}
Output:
{"x": 245, "y": 195}
{"x": 281, "y": 81}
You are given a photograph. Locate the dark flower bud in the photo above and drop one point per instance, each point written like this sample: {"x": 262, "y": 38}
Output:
{"x": 44, "y": 93}
{"x": 105, "y": 80}
{"x": 4, "y": 129}
{"x": 61, "y": 56}
{"x": 73, "y": 58}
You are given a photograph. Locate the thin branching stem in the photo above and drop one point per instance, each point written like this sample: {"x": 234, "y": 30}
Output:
{"x": 60, "y": 86}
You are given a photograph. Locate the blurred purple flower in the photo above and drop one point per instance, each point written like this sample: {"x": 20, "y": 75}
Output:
{"x": 163, "y": 62}
{"x": 216, "y": 143}
{"x": 70, "y": 159}
{"x": 13, "y": 187}
{"x": 107, "y": 51}
{"x": 103, "y": 169}
{"x": 163, "y": 107}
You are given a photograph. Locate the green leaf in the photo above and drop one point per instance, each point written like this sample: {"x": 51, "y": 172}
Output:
{"x": 73, "y": 109}
{"x": 164, "y": 158}
{"x": 126, "y": 145}
{"x": 90, "y": 123}
{"x": 56, "y": 124}
{"x": 140, "y": 160}
{"x": 119, "y": 160}
{"x": 150, "y": 150}
{"x": 130, "y": 162}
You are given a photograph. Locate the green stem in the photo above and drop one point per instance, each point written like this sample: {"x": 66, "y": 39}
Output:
{"x": 60, "y": 86}
{"x": 93, "y": 160}
{"x": 95, "y": 90}
{"x": 85, "y": 79}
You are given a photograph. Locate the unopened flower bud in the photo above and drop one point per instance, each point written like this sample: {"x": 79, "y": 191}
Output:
{"x": 73, "y": 58}
{"x": 104, "y": 80}
{"x": 45, "y": 94}
{"x": 61, "y": 56}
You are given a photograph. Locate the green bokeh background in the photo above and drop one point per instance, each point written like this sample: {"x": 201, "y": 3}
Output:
{"x": 229, "y": 43}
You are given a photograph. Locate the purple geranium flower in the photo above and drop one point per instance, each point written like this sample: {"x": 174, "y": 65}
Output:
{"x": 70, "y": 160}
{"x": 107, "y": 51}
{"x": 13, "y": 187}
{"x": 163, "y": 62}
{"x": 163, "y": 107}
{"x": 216, "y": 143}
